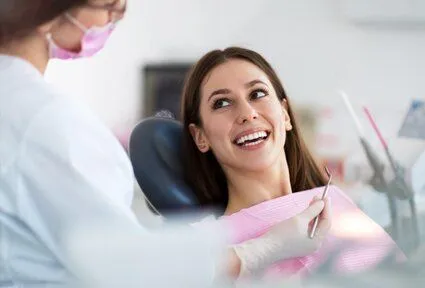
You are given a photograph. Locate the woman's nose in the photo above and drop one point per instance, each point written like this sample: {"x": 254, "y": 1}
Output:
{"x": 247, "y": 113}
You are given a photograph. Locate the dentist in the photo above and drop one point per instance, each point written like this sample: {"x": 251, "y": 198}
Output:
{"x": 61, "y": 169}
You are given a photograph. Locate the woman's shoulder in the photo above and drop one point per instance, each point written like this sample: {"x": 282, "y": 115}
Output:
{"x": 334, "y": 191}
{"x": 22, "y": 101}
{"x": 340, "y": 197}
{"x": 28, "y": 100}
{"x": 47, "y": 122}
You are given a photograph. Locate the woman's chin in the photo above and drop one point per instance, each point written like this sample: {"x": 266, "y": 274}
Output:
{"x": 256, "y": 165}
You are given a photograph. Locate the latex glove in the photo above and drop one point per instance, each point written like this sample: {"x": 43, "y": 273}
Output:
{"x": 287, "y": 239}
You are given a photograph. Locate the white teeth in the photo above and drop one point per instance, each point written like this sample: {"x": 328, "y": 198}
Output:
{"x": 253, "y": 143}
{"x": 251, "y": 137}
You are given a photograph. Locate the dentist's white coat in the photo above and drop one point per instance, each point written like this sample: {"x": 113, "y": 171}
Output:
{"x": 62, "y": 171}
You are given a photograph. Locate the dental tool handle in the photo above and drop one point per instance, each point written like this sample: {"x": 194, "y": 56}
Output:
{"x": 316, "y": 220}
{"x": 394, "y": 165}
{"x": 313, "y": 229}
{"x": 383, "y": 142}
{"x": 350, "y": 109}
{"x": 375, "y": 127}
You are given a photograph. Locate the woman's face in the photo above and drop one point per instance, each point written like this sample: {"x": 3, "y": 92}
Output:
{"x": 96, "y": 13}
{"x": 243, "y": 121}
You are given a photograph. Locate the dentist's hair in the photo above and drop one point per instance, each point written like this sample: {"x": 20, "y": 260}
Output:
{"x": 20, "y": 18}
{"x": 202, "y": 170}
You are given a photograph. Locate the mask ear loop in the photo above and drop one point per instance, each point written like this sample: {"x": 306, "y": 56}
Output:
{"x": 76, "y": 22}
{"x": 50, "y": 43}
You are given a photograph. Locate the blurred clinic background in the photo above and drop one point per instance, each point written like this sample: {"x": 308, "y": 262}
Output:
{"x": 373, "y": 50}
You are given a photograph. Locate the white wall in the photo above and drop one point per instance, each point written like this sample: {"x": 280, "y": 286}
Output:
{"x": 312, "y": 46}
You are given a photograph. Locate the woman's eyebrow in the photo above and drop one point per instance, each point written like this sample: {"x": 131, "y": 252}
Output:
{"x": 219, "y": 91}
{"x": 227, "y": 91}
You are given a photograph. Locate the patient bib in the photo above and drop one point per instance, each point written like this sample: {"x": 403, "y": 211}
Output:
{"x": 354, "y": 244}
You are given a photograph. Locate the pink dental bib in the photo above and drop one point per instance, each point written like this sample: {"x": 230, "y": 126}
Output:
{"x": 354, "y": 244}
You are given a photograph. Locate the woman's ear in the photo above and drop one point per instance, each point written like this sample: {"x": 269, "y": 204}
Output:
{"x": 287, "y": 119}
{"x": 199, "y": 138}
{"x": 47, "y": 27}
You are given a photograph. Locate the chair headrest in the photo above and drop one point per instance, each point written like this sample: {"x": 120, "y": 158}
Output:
{"x": 155, "y": 152}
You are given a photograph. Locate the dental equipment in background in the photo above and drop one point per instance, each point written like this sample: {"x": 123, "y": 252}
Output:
{"x": 378, "y": 181}
{"x": 398, "y": 185}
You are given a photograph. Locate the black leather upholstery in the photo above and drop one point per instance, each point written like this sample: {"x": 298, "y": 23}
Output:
{"x": 155, "y": 153}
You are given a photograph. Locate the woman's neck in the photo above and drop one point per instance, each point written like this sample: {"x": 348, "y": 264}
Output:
{"x": 32, "y": 49}
{"x": 250, "y": 188}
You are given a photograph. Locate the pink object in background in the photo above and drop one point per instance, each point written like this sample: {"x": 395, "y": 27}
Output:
{"x": 358, "y": 242}
{"x": 123, "y": 136}
{"x": 375, "y": 127}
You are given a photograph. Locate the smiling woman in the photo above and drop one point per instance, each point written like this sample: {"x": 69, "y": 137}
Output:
{"x": 245, "y": 156}
{"x": 239, "y": 131}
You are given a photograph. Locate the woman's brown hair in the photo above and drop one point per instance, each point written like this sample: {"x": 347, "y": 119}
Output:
{"x": 19, "y": 18}
{"x": 202, "y": 171}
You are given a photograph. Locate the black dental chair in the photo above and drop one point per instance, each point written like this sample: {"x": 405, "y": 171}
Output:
{"x": 155, "y": 151}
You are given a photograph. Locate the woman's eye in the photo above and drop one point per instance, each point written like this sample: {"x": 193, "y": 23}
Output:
{"x": 259, "y": 93}
{"x": 220, "y": 103}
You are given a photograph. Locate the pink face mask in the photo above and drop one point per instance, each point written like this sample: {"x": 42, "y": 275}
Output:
{"x": 92, "y": 42}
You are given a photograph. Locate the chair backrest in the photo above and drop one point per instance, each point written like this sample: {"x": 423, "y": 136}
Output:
{"x": 156, "y": 155}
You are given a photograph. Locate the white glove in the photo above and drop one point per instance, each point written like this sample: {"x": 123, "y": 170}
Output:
{"x": 287, "y": 239}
